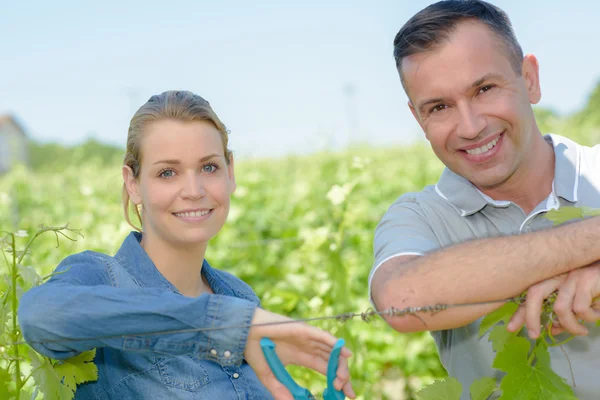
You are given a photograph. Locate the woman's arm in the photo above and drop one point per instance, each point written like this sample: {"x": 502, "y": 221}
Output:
{"x": 78, "y": 310}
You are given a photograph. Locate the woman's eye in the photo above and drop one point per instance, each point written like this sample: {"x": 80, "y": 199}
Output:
{"x": 167, "y": 173}
{"x": 209, "y": 168}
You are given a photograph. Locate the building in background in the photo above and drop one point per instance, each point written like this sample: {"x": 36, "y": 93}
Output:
{"x": 13, "y": 143}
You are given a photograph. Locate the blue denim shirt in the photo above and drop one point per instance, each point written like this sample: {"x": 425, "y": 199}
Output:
{"x": 98, "y": 296}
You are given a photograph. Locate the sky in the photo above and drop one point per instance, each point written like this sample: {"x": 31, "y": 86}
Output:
{"x": 286, "y": 77}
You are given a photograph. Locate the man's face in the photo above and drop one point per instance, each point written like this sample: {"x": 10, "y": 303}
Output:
{"x": 474, "y": 109}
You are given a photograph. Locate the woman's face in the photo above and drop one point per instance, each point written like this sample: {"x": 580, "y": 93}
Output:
{"x": 185, "y": 182}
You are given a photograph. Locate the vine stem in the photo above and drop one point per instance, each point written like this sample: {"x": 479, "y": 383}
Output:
{"x": 15, "y": 332}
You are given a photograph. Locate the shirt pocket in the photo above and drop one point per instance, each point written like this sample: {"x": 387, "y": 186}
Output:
{"x": 182, "y": 372}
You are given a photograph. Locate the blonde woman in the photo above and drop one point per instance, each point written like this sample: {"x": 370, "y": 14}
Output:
{"x": 178, "y": 178}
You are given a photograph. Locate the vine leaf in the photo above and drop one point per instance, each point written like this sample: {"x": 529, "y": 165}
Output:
{"x": 77, "y": 370}
{"x": 499, "y": 336}
{"x": 482, "y": 388}
{"x": 529, "y": 381}
{"x": 504, "y": 313}
{"x": 568, "y": 213}
{"x": 446, "y": 389}
{"x": 47, "y": 379}
{"x": 5, "y": 378}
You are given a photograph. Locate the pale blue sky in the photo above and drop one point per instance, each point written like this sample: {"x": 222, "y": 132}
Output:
{"x": 275, "y": 71}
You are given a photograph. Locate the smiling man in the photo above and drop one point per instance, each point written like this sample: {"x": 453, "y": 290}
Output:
{"x": 479, "y": 233}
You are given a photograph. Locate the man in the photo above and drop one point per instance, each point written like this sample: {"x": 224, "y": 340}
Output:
{"x": 470, "y": 237}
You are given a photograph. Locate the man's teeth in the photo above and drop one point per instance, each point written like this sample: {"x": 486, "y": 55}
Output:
{"x": 193, "y": 214}
{"x": 484, "y": 148}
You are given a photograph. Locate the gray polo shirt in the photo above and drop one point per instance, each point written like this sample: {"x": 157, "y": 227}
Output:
{"x": 454, "y": 211}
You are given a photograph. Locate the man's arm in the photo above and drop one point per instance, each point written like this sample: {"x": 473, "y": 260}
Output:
{"x": 480, "y": 270}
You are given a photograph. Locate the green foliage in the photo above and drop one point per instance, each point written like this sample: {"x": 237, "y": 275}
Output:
{"x": 447, "y": 389}
{"x": 483, "y": 388}
{"x": 52, "y": 155}
{"x": 582, "y": 126}
{"x": 501, "y": 314}
{"x": 52, "y": 379}
{"x": 77, "y": 370}
{"x": 526, "y": 380}
{"x": 567, "y": 214}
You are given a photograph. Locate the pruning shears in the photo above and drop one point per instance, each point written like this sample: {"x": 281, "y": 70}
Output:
{"x": 300, "y": 393}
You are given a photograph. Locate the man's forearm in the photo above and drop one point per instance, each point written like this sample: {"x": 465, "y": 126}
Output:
{"x": 481, "y": 270}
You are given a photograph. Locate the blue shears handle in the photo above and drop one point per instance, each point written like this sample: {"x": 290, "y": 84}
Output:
{"x": 297, "y": 391}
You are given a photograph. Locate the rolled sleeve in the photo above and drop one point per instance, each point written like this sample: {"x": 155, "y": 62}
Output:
{"x": 226, "y": 346}
{"x": 79, "y": 310}
{"x": 403, "y": 230}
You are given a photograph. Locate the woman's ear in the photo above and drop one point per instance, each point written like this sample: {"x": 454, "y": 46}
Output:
{"x": 131, "y": 184}
{"x": 230, "y": 171}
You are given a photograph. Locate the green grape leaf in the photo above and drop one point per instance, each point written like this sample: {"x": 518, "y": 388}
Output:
{"x": 47, "y": 379}
{"x": 502, "y": 314}
{"x": 446, "y": 389}
{"x": 565, "y": 214}
{"x": 482, "y": 388}
{"x": 30, "y": 276}
{"x": 499, "y": 336}
{"x": 77, "y": 370}
{"x": 525, "y": 381}
{"x": 5, "y": 378}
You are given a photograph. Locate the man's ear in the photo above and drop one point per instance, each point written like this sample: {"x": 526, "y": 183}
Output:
{"x": 415, "y": 114}
{"x": 531, "y": 74}
{"x": 131, "y": 185}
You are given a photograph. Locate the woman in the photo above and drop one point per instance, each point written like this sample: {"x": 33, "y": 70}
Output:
{"x": 178, "y": 177}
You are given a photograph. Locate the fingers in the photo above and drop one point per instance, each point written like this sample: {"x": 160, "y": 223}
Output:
{"x": 318, "y": 362}
{"x": 563, "y": 307}
{"x": 277, "y": 389}
{"x": 582, "y": 304}
{"x": 533, "y": 305}
{"x": 342, "y": 381}
{"x": 517, "y": 320}
{"x": 557, "y": 329}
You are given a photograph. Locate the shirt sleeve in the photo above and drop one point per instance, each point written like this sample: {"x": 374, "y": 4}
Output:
{"x": 403, "y": 230}
{"x": 78, "y": 310}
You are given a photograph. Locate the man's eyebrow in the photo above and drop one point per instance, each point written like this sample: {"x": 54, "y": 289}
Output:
{"x": 176, "y": 162}
{"x": 484, "y": 78}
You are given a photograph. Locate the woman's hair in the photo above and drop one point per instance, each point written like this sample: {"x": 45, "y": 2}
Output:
{"x": 179, "y": 105}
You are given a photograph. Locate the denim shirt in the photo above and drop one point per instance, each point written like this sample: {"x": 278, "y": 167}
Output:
{"x": 98, "y": 296}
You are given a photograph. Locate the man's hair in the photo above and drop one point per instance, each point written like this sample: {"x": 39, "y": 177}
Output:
{"x": 431, "y": 27}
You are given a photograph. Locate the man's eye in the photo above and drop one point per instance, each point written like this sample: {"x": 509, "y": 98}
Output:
{"x": 485, "y": 88}
{"x": 437, "y": 108}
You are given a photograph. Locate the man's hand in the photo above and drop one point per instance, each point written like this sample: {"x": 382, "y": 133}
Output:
{"x": 298, "y": 344}
{"x": 574, "y": 302}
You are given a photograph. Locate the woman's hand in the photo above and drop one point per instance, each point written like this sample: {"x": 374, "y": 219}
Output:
{"x": 296, "y": 343}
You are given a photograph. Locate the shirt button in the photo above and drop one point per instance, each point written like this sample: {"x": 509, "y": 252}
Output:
{"x": 213, "y": 352}
{"x": 227, "y": 354}
{"x": 236, "y": 375}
